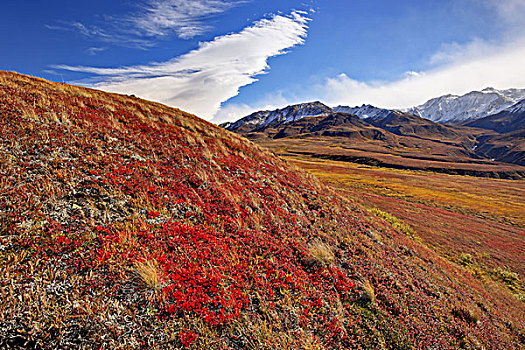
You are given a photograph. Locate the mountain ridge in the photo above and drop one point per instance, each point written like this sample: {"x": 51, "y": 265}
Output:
{"x": 448, "y": 108}
{"x": 480, "y": 137}
{"x": 508, "y": 120}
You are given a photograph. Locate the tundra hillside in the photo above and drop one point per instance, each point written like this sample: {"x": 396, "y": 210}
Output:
{"x": 128, "y": 224}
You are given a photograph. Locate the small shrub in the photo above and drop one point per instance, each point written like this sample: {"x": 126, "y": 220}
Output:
{"x": 468, "y": 314}
{"x": 320, "y": 253}
{"x": 508, "y": 277}
{"x": 465, "y": 259}
{"x": 520, "y": 296}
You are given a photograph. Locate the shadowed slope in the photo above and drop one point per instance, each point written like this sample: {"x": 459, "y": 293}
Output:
{"x": 128, "y": 223}
{"x": 507, "y": 121}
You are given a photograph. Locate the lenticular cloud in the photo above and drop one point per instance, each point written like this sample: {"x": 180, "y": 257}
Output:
{"x": 202, "y": 79}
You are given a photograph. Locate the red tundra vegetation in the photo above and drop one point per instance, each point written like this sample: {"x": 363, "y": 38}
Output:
{"x": 128, "y": 224}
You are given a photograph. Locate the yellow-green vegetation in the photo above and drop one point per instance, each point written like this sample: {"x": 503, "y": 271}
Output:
{"x": 465, "y": 259}
{"x": 476, "y": 265}
{"x": 509, "y": 278}
{"x": 395, "y": 222}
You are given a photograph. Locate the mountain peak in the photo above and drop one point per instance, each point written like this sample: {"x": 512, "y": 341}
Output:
{"x": 279, "y": 116}
{"x": 489, "y": 89}
{"x": 472, "y": 105}
{"x": 366, "y": 111}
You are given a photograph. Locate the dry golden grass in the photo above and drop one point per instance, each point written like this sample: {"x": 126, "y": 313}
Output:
{"x": 369, "y": 294}
{"x": 147, "y": 271}
{"x": 469, "y": 313}
{"x": 320, "y": 253}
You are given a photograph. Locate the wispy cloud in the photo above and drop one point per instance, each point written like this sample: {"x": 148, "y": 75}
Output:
{"x": 114, "y": 36}
{"x": 187, "y": 18}
{"x": 92, "y": 51}
{"x": 509, "y": 10}
{"x": 152, "y": 19}
{"x": 201, "y": 80}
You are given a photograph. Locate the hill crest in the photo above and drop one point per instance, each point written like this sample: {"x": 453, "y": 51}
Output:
{"x": 126, "y": 223}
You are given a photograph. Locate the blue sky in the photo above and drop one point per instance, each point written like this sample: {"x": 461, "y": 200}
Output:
{"x": 223, "y": 59}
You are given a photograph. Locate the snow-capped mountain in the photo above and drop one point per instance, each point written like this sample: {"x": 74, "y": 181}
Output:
{"x": 518, "y": 108}
{"x": 365, "y": 111}
{"x": 292, "y": 113}
{"x": 450, "y": 109}
{"x": 473, "y": 105}
{"x": 279, "y": 116}
{"x": 508, "y": 120}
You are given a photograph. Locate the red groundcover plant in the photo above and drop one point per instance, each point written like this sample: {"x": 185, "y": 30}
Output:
{"x": 125, "y": 223}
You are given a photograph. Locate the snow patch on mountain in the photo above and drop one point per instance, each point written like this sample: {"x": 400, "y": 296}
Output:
{"x": 517, "y": 108}
{"x": 365, "y": 111}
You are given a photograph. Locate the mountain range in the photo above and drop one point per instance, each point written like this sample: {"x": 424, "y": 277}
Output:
{"x": 449, "y": 109}
{"x": 473, "y": 134}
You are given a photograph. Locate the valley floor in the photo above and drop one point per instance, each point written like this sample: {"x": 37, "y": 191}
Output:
{"x": 478, "y": 223}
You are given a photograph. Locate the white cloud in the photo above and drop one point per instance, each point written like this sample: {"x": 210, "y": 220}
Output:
{"x": 92, "y": 51}
{"x": 201, "y": 80}
{"x": 153, "y": 19}
{"x": 187, "y": 18}
{"x": 235, "y": 111}
{"x": 473, "y": 67}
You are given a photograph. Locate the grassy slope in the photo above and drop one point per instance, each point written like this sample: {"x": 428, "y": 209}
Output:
{"x": 127, "y": 223}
